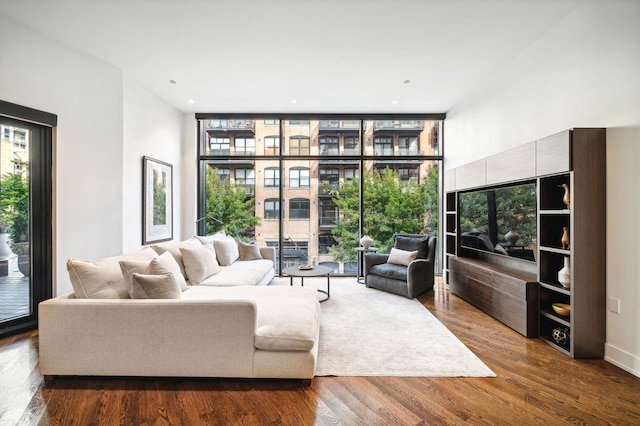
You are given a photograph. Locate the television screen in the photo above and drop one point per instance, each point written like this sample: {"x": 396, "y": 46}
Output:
{"x": 500, "y": 220}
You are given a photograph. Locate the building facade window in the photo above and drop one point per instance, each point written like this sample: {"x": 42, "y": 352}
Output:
{"x": 408, "y": 145}
{"x": 219, "y": 145}
{"x": 271, "y": 177}
{"x": 299, "y": 208}
{"x": 272, "y": 208}
{"x": 299, "y": 145}
{"x": 299, "y": 177}
{"x": 245, "y": 145}
{"x": 272, "y": 145}
{"x": 329, "y": 145}
{"x": 328, "y": 213}
{"x": 383, "y": 145}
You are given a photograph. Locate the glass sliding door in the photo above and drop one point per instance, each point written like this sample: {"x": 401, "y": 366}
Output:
{"x": 25, "y": 222}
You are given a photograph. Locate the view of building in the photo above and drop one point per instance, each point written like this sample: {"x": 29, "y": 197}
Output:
{"x": 291, "y": 167}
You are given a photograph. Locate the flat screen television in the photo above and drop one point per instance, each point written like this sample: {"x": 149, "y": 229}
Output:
{"x": 500, "y": 220}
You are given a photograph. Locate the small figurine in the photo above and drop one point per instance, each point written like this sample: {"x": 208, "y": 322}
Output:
{"x": 566, "y": 199}
{"x": 565, "y": 237}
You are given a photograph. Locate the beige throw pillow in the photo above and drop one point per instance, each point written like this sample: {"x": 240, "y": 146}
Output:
{"x": 200, "y": 263}
{"x": 167, "y": 260}
{"x": 204, "y": 239}
{"x": 402, "y": 257}
{"x": 174, "y": 249}
{"x": 103, "y": 278}
{"x": 249, "y": 251}
{"x": 226, "y": 251}
{"x": 164, "y": 286}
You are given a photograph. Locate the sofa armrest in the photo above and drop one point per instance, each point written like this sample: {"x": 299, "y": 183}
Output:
{"x": 133, "y": 337}
{"x": 419, "y": 276}
{"x": 268, "y": 253}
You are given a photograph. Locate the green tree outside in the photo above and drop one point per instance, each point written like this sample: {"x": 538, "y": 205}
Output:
{"x": 14, "y": 205}
{"x": 228, "y": 206}
{"x": 390, "y": 206}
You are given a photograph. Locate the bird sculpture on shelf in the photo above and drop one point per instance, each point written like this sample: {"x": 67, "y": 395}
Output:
{"x": 566, "y": 199}
{"x": 565, "y": 237}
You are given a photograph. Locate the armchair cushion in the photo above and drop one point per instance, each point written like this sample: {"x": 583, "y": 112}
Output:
{"x": 401, "y": 257}
{"x": 390, "y": 270}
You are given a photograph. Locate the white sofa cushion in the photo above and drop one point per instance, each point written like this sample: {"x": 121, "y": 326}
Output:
{"x": 241, "y": 273}
{"x": 102, "y": 278}
{"x": 226, "y": 251}
{"x": 204, "y": 239}
{"x": 199, "y": 262}
{"x": 401, "y": 257}
{"x": 277, "y": 329}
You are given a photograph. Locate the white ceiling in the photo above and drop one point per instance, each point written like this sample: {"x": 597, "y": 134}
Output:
{"x": 331, "y": 56}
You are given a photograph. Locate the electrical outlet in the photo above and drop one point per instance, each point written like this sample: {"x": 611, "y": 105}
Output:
{"x": 614, "y": 305}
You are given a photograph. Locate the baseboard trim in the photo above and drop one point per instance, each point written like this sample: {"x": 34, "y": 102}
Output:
{"x": 622, "y": 359}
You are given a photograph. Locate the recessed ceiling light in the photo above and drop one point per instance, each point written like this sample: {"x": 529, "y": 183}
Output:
{"x": 293, "y": 101}
{"x": 394, "y": 102}
{"x": 172, "y": 81}
{"x": 191, "y": 101}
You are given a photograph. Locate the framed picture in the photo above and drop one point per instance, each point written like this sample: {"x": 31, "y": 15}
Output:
{"x": 157, "y": 201}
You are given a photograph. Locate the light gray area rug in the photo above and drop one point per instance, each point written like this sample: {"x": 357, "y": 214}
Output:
{"x": 367, "y": 332}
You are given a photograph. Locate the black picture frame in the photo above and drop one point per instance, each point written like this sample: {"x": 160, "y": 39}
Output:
{"x": 157, "y": 201}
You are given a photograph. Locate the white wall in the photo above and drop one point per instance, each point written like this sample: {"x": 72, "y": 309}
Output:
{"x": 582, "y": 73}
{"x": 151, "y": 128}
{"x": 101, "y": 121}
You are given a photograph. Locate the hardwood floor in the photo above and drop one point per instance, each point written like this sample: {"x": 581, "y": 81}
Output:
{"x": 534, "y": 385}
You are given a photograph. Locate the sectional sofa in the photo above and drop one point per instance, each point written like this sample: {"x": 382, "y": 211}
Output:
{"x": 156, "y": 312}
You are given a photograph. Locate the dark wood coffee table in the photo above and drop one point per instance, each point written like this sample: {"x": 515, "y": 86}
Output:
{"x": 316, "y": 271}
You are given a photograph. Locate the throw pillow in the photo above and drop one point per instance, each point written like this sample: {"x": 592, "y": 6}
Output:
{"x": 164, "y": 286}
{"x": 401, "y": 257}
{"x": 102, "y": 278}
{"x": 226, "y": 251}
{"x": 129, "y": 267}
{"x": 174, "y": 249}
{"x": 204, "y": 239}
{"x": 167, "y": 260}
{"x": 249, "y": 251}
{"x": 200, "y": 263}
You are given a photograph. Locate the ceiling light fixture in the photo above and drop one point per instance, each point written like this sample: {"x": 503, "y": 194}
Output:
{"x": 191, "y": 101}
{"x": 293, "y": 101}
{"x": 172, "y": 81}
{"x": 407, "y": 81}
{"x": 394, "y": 102}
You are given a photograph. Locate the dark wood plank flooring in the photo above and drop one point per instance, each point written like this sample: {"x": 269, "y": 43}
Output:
{"x": 535, "y": 385}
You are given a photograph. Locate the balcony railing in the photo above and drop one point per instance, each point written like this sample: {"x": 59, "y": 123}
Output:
{"x": 352, "y": 125}
{"x": 231, "y": 125}
{"x": 398, "y": 125}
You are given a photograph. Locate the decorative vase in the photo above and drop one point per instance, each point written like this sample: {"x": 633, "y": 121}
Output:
{"x": 5, "y": 250}
{"x": 565, "y": 237}
{"x": 566, "y": 198}
{"x": 511, "y": 237}
{"x": 564, "y": 274}
{"x": 366, "y": 241}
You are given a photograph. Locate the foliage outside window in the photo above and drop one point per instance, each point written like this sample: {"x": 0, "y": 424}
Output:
{"x": 228, "y": 206}
{"x": 390, "y": 206}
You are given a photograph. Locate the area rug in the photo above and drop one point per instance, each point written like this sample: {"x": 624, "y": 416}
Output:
{"x": 367, "y": 332}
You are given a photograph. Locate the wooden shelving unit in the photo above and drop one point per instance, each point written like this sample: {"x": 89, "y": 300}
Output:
{"x": 575, "y": 157}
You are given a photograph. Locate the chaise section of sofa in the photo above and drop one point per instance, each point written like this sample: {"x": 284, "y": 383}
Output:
{"x": 244, "y": 332}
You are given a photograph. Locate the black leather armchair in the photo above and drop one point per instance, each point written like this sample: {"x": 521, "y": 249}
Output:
{"x": 408, "y": 281}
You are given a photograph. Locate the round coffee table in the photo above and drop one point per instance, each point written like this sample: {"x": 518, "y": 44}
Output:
{"x": 316, "y": 271}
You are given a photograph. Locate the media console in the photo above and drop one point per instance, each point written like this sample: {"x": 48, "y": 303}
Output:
{"x": 521, "y": 294}
{"x": 508, "y": 296}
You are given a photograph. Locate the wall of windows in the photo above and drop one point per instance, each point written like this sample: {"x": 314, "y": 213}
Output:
{"x": 317, "y": 184}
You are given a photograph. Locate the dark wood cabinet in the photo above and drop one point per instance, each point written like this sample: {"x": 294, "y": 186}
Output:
{"x": 523, "y": 299}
